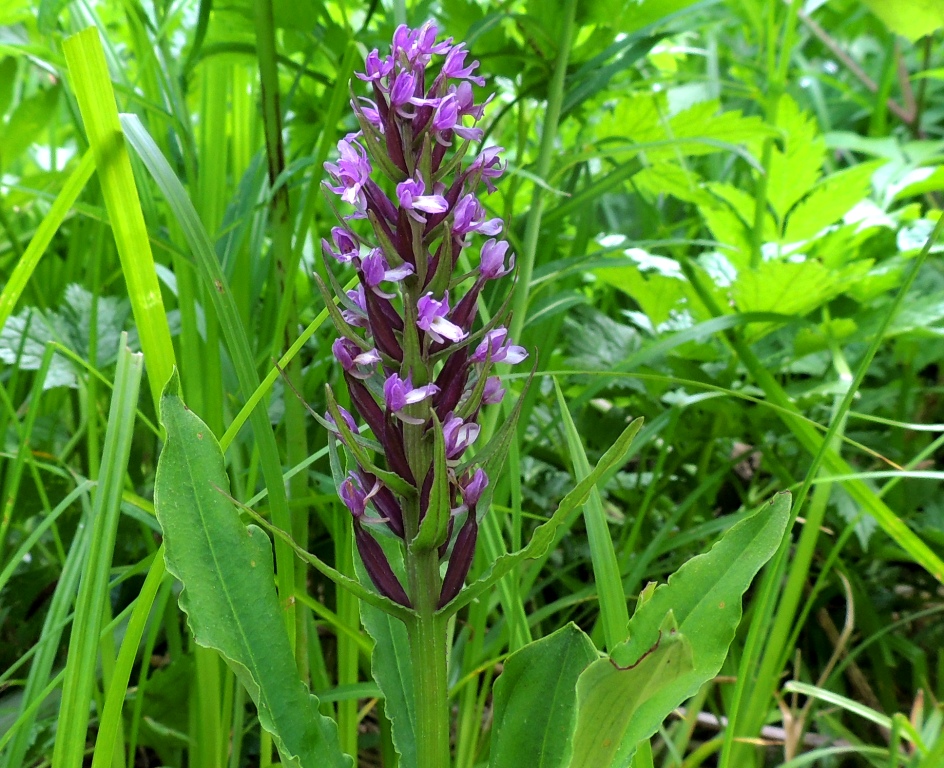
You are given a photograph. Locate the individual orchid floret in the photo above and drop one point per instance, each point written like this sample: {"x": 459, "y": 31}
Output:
{"x": 472, "y": 487}
{"x": 494, "y": 346}
{"x": 431, "y": 317}
{"x": 448, "y": 119}
{"x": 470, "y": 217}
{"x": 412, "y": 197}
{"x": 458, "y": 436}
{"x": 376, "y": 68}
{"x": 489, "y": 166}
{"x": 453, "y": 66}
{"x": 356, "y": 318}
{"x": 400, "y": 393}
{"x": 345, "y": 242}
{"x": 376, "y": 270}
{"x": 492, "y": 263}
{"x": 352, "y": 171}
{"x": 403, "y": 92}
{"x": 354, "y": 496}
{"x": 416, "y": 46}
{"x": 346, "y": 416}
{"x": 494, "y": 392}
{"x": 354, "y": 361}
{"x": 370, "y": 112}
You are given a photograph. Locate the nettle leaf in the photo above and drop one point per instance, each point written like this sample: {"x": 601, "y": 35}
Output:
{"x": 795, "y": 170}
{"x": 24, "y": 337}
{"x": 229, "y": 596}
{"x": 910, "y": 18}
{"x": 536, "y": 700}
{"x": 828, "y": 202}
{"x": 27, "y": 123}
{"x": 790, "y": 288}
{"x": 666, "y": 177}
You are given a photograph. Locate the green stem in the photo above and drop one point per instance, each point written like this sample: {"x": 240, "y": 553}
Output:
{"x": 428, "y": 654}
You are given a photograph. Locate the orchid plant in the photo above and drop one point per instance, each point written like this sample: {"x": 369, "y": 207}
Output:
{"x": 418, "y": 360}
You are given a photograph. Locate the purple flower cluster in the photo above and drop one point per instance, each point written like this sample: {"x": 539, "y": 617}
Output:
{"x": 416, "y": 363}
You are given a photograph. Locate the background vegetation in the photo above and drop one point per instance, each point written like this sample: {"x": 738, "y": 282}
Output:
{"x": 723, "y": 215}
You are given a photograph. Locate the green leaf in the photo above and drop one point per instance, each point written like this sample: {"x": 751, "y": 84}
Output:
{"x": 910, "y": 18}
{"x": 704, "y": 598}
{"x": 391, "y": 667}
{"x": 794, "y": 171}
{"x": 228, "y": 587}
{"x": 536, "y": 700}
{"x": 27, "y": 123}
{"x": 620, "y": 706}
{"x": 829, "y": 201}
{"x": 790, "y": 288}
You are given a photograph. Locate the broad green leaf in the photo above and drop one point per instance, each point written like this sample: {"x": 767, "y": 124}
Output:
{"x": 536, "y": 700}
{"x": 704, "y": 596}
{"x": 27, "y": 123}
{"x": 657, "y": 294}
{"x": 794, "y": 171}
{"x": 617, "y": 707}
{"x": 391, "y": 667}
{"x": 229, "y": 596}
{"x": 790, "y": 288}
{"x": 829, "y": 201}
{"x": 910, "y": 18}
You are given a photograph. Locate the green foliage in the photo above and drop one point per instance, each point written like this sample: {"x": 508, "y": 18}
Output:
{"x": 228, "y": 593}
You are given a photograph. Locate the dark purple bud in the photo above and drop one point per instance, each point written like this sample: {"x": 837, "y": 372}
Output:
{"x": 366, "y": 406}
{"x": 473, "y": 487}
{"x": 462, "y": 554}
{"x": 383, "y": 321}
{"x": 494, "y": 392}
{"x": 378, "y": 567}
{"x": 451, "y": 382}
{"x": 465, "y": 310}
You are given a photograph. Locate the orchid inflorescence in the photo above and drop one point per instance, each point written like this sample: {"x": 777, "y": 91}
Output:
{"x": 417, "y": 372}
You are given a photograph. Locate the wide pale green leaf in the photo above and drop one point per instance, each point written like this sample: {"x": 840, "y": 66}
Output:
{"x": 620, "y": 706}
{"x": 391, "y": 667}
{"x": 536, "y": 700}
{"x": 229, "y": 589}
{"x": 911, "y": 18}
{"x": 704, "y": 598}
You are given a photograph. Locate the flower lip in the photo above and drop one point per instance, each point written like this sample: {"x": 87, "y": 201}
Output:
{"x": 494, "y": 345}
{"x": 431, "y": 317}
{"x": 492, "y": 263}
{"x": 412, "y": 198}
{"x": 399, "y": 393}
{"x": 375, "y": 270}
